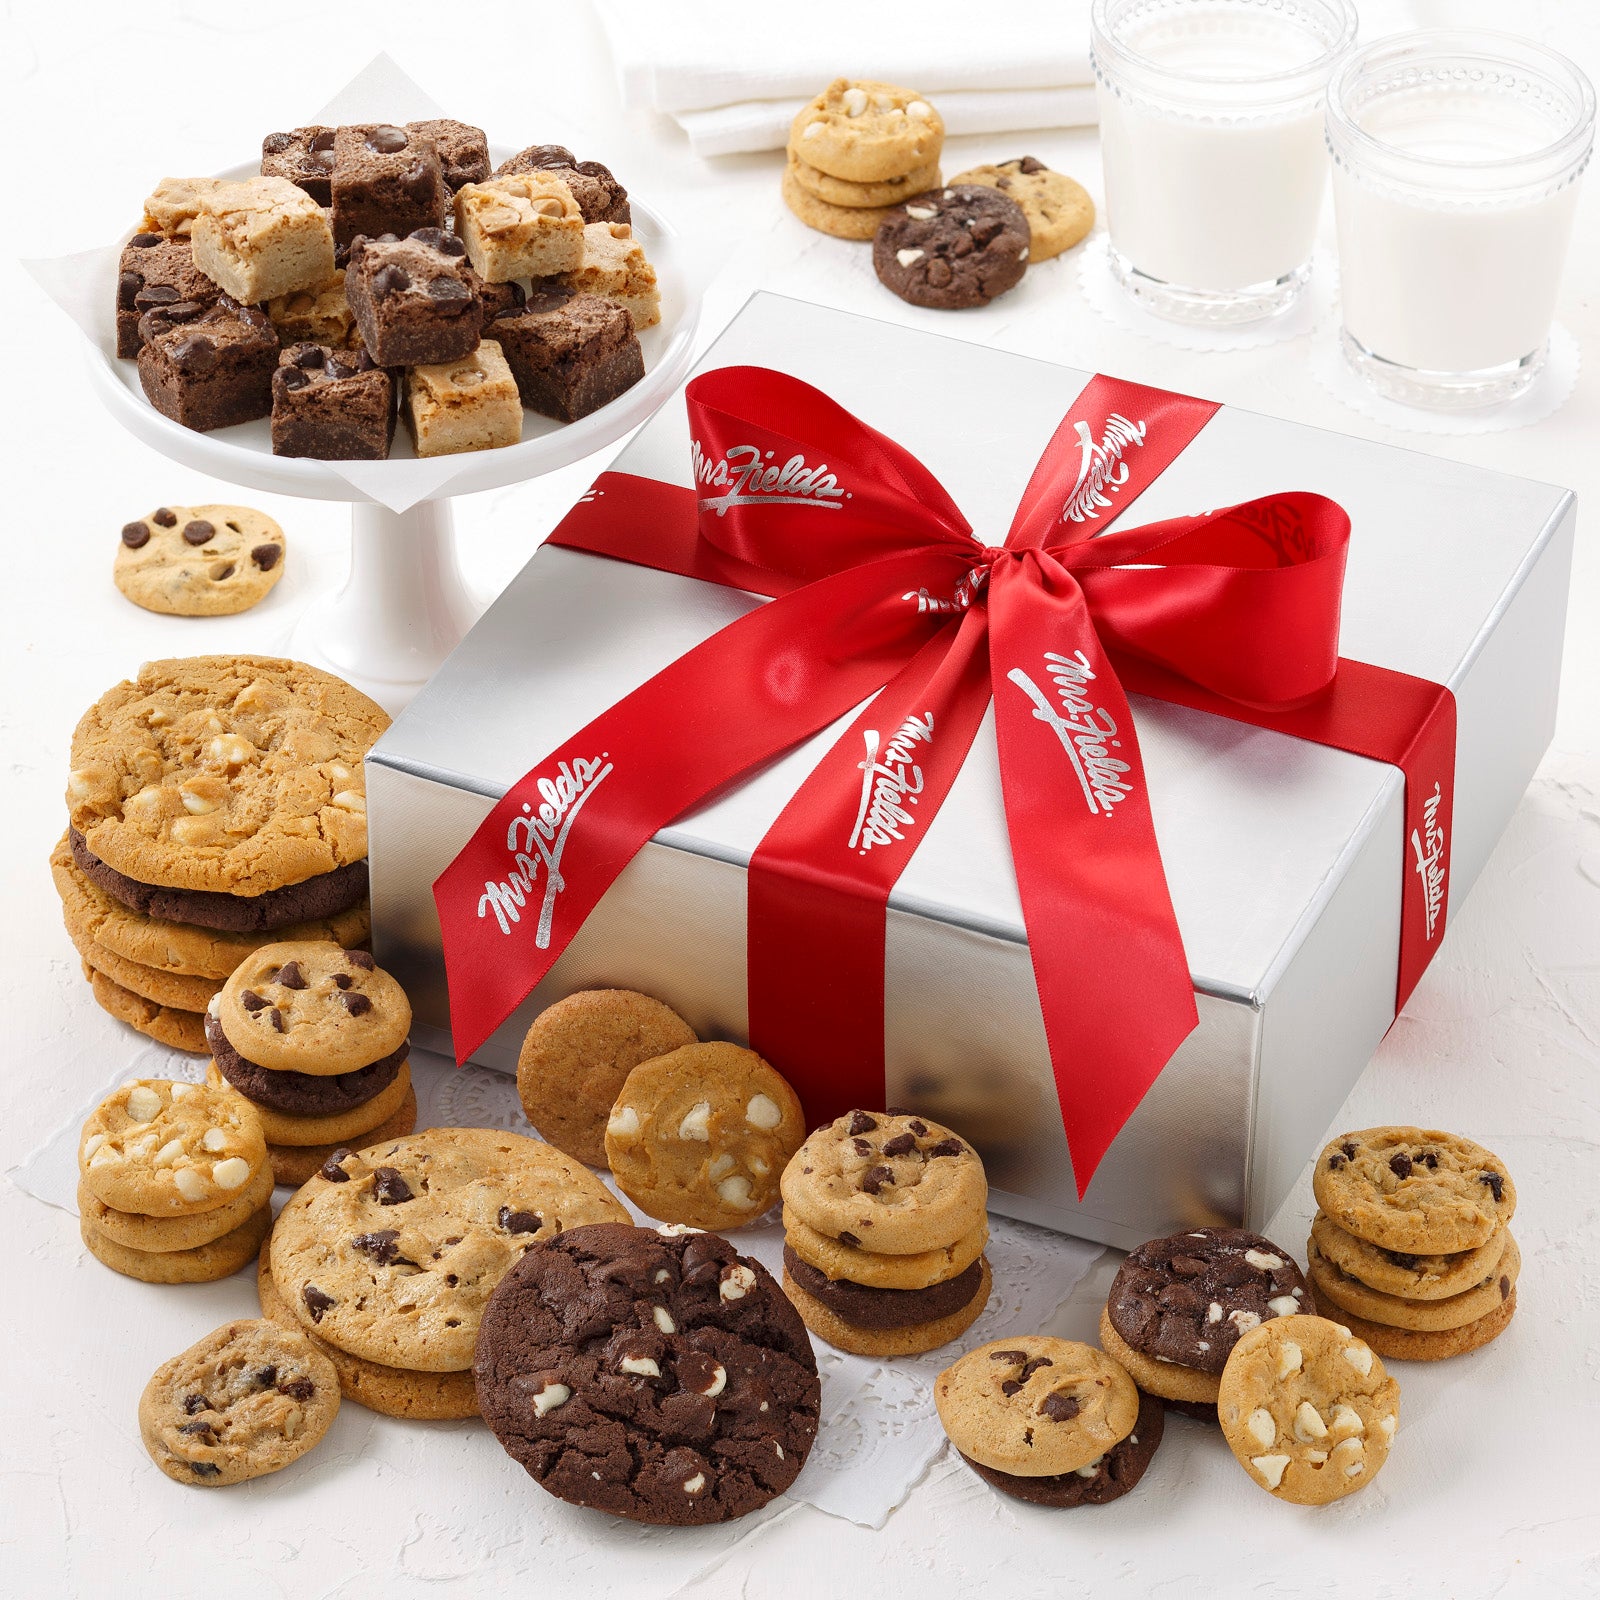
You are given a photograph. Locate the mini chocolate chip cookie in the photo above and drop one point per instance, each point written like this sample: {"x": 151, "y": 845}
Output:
{"x": 1188, "y": 1298}
{"x": 352, "y": 1126}
{"x": 837, "y": 1259}
{"x": 1416, "y": 1344}
{"x": 1058, "y": 209}
{"x": 1308, "y": 1409}
{"x": 655, "y": 1375}
{"x": 1340, "y": 1294}
{"x": 178, "y": 1030}
{"x": 1416, "y": 1190}
{"x": 701, "y": 1136}
{"x": 301, "y": 1094}
{"x": 865, "y": 132}
{"x": 883, "y": 1333}
{"x": 314, "y": 1008}
{"x": 1035, "y": 1406}
{"x": 201, "y": 561}
{"x": 952, "y": 248}
{"x": 863, "y": 196}
{"x": 1412, "y": 1277}
{"x": 248, "y": 1399}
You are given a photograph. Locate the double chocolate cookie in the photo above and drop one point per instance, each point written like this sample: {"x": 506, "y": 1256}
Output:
{"x": 655, "y": 1375}
{"x": 952, "y": 248}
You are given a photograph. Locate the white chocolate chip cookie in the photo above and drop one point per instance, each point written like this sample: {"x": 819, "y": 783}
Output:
{"x": 866, "y": 132}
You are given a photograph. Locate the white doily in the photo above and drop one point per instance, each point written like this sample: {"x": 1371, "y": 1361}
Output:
{"x": 1107, "y": 297}
{"x": 878, "y": 1432}
{"x": 1548, "y": 393}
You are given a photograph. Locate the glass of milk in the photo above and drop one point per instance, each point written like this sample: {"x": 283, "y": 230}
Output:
{"x": 1456, "y": 157}
{"x": 1211, "y": 134}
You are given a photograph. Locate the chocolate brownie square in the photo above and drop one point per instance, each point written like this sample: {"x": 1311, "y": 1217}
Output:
{"x": 385, "y": 180}
{"x": 600, "y": 197}
{"x": 334, "y": 405}
{"x": 415, "y": 299}
{"x": 304, "y": 156}
{"x": 499, "y": 298}
{"x": 208, "y": 366}
{"x": 463, "y": 149}
{"x": 155, "y": 272}
{"x": 570, "y": 354}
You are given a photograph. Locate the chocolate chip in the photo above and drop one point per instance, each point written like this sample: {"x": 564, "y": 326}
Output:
{"x": 360, "y": 958}
{"x": 159, "y": 294}
{"x": 128, "y": 285}
{"x": 861, "y": 1147}
{"x": 276, "y": 143}
{"x": 390, "y": 1188}
{"x": 135, "y": 535}
{"x": 321, "y": 141}
{"x": 1002, "y": 183}
{"x": 1496, "y": 1184}
{"x": 850, "y": 1239}
{"x": 443, "y": 288}
{"x": 985, "y": 230}
{"x": 290, "y": 975}
{"x": 1188, "y": 1266}
{"x": 1336, "y": 1162}
{"x": 875, "y": 1177}
{"x": 390, "y": 279}
{"x": 1406, "y": 1263}
{"x": 163, "y": 518}
{"x": 292, "y": 378}
{"x": 278, "y": 1025}
{"x": 341, "y": 980}
{"x": 901, "y": 1145}
{"x": 331, "y": 1169}
{"x": 358, "y": 1005}
{"x": 1028, "y": 164}
{"x": 308, "y": 355}
{"x": 198, "y": 532}
{"x": 265, "y": 557}
{"x": 520, "y": 1221}
{"x": 1505, "y": 1288}
{"x": 195, "y": 1402}
{"x": 143, "y": 241}
{"x": 196, "y": 354}
{"x": 948, "y": 1147}
{"x": 1033, "y": 1366}
{"x": 1060, "y": 1407}
{"x": 1400, "y": 1164}
{"x": 298, "y": 1388}
{"x": 1010, "y": 1386}
{"x": 205, "y": 1469}
{"x": 316, "y": 1301}
{"x": 1349, "y": 1150}
{"x": 382, "y": 1245}
{"x": 200, "y": 1429}
{"x": 1015, "y": 1356}
{"x": 920, "y": 1128}
{"x": 387, "y": 140}
{"x": 860, "y": 1122}
{"x": 1427, "y": 1159}
{"x": 252, "y": 1001}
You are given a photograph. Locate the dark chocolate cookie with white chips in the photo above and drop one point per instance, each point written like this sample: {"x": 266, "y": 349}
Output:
{"x": 1189, "y": 1298}
{"x": 654, "y": 1374}
{"x": 952, "y": 248}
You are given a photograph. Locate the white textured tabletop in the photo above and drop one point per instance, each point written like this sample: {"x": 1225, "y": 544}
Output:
{"x": 1492, "y": 1488}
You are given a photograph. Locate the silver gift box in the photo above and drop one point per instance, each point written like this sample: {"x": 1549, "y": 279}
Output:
{"x": 1286, "y": 860}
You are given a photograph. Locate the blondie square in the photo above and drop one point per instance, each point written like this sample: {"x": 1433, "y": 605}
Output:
{"x": 470, "y": 404}
{"x": 261, "y": 238}
{"x": 174, "y": 203}
{"x": 463, "y": 149}
{"x": 600, "y": 197}
{"x": 524, "y": 226}
{"x": 334, "y": 405}
{"x": 385, "y": 180}
{"x": 616, "y": 268}
{"x": 155, "y": 272}
{"x": 570, "y": 354}
{"x": 415, "y": 300}
{"x": 305, "y": 157}
{"x": 321, "y": 315}
{"x": 208, "y": 366}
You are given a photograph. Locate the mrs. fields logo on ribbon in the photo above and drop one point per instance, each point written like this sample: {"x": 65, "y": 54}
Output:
{"x": 890, "y": 782}
{"x": 539, "y": 839}
{"x": 1088, "y": 733}
{"x": 1427, "y": 843}
{"x": 750, "y": 477}
{"x": 1101, "y": 469}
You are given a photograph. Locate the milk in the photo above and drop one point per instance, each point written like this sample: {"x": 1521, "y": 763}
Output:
{"x": 1203, "y": 190}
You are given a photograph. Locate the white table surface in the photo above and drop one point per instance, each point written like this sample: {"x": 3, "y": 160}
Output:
{"x": 1492, "y": 1488}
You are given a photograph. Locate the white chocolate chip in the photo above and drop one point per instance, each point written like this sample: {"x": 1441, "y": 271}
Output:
{"x": 92, "y": 1143}
{"x": 104, "y": 1157}
{"x": 292, "y": 1421}
{"x": 920, "y": 111}
{"x": 1264, "y": 1259}
{"x": 1308, "y": 1423}
{"x": 922, "y": 213}
{"x": 338, "y": 771}
{"x": 1346, "y": 1422}
{"x": 350, "y": 800}
{"x": 676, "y": 1230}
{"x": 906, "y": 257}
{"x": 229, "y": 750}
{"x": 696, "y": 1123}
{"x": 197, "y": 805}
{"x": 1316, "y": 1457}
{"x": 1244, "y": 1321}
{"x": 661, "y": 1275}
{"x": 1355, "y": 1469}
{"x": 550, "y": 1398}
{"x": 720, "y": 1166}
{"x": 695, "y": 1484}
{"x": 624, "y": 1122}
{"x": 1289, "y": 1358}
{"x": 719, "y": 1381}
{"x": 641, "y": 1366}
{"x": 79, "y": 786}
{"x": 213, "y": 1009}
{"x": 811, "y": 130}
{"x": 191, "y": 1185}
{"x": 1386, "y": 1427}
{"x": 1283, "y": 1305}
{"x": 735, "y": 1192}
{"x": 144, "y": 1104}
{"x": 763, "y": 1111}
{"x": 759, "y": 1166}
{"x": 1213, "y": 1312}
{"x": 1359, "y": 1357}
{"x": 140, "y": 1148}
{"x": 1260, "y": 1426}
{"x": 663, "y": 1319}
{"x": 740, "y": 1280}
{"x": 854, "y": 102}
{"x": 1271, "y": 1469}
{"x": 215, "y": 1140}
{"x": 179, "y": 1090}
{"x": 1203, "y": 1345}
{"x": 234, "y": 1173}
{"x": 169, "y": 1153}
{"x": 779, "y": 1448}
{"x": 1090, "y": 1468}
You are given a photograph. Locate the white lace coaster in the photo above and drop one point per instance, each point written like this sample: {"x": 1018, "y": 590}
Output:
{"x": 1113, "y": 302}
{"x": 879, "y": 1432}
{"x": 1549, "y": 392}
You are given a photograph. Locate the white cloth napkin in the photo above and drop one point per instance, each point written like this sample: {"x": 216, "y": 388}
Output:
{"x": 734, "y": 85}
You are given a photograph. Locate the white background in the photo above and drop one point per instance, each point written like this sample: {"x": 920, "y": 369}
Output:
{"x": 1492, "y": 1488}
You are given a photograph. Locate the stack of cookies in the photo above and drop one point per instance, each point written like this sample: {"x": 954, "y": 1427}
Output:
{"x": 173, "y": 1182}
{"x": 1179, "y": 1305}
{"x": 884, "y": 1227}
{"x": 215, "y": 804}
{"x": 314, "y": 1036}
{"x": 857, "y": 150}
{"x": 1411, "y": 1246}
{"x": 387, "y": 1257}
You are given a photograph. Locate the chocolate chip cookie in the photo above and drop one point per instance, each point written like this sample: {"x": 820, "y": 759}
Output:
{"x": 1413, "y": 1344}
{"x": 1190, "y": 1297}
{"x": 301, "y": 1094}
{"x": 952, "y": 248}
{"x": 1340, "y": 1294}
{"x": 875, "y": 1271}
{"x": 348, "y": 1127}
{"x": 248, "y": 1399}
{"x": 200, "y": 561}
{"x": 701, "y": 1136}
{"x": 658, "y": 1376}
{"x": 1058, "y": 209}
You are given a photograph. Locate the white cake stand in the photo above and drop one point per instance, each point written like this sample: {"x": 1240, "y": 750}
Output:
{"x": 404, "y": 606}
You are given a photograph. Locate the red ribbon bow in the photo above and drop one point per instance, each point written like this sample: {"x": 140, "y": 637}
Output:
{"x": 886, "y": 597}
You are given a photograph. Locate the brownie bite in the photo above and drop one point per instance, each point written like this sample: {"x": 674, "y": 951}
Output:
{"x": 600, "y": 197}
{"x": 415, "y": 300}
{"x": 527, "y": 226}
{"x": 499, "y": 298}
{"x": 463, "y": 149}
{"x": 155, "y": 272}
{"x": 334, "y": 405}
{"x": 305, "y": 157}
{"x": 385, "y": 180}
{"x": 208, "y": 366}
{"x": 570, "y": 353}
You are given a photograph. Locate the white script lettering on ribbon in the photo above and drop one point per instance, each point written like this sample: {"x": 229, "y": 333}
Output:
{"x": 750, "y": 477}
{"x": 1428, "y": 845}
{"x": 890, "y": 783}
{"x": 1088, "y": 732}
{"x": 1101, "y": 468}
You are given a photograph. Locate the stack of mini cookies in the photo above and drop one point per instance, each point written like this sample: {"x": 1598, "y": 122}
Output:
{"x": 855, "y": 151}
{"x": 314, "y": 1036}
{"x": 1411, "y": 1247}
{"x": 173, "y": 1182}
{"x": 215, "y": 804}
{"x": 884, "y": 1218}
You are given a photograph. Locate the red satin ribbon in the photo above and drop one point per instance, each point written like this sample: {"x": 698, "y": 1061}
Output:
{"x": 887, "y": 604}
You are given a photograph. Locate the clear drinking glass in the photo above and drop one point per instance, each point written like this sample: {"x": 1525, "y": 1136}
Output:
{"x": 1211, "y": 133}
{"x": 1456, "y": 157}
